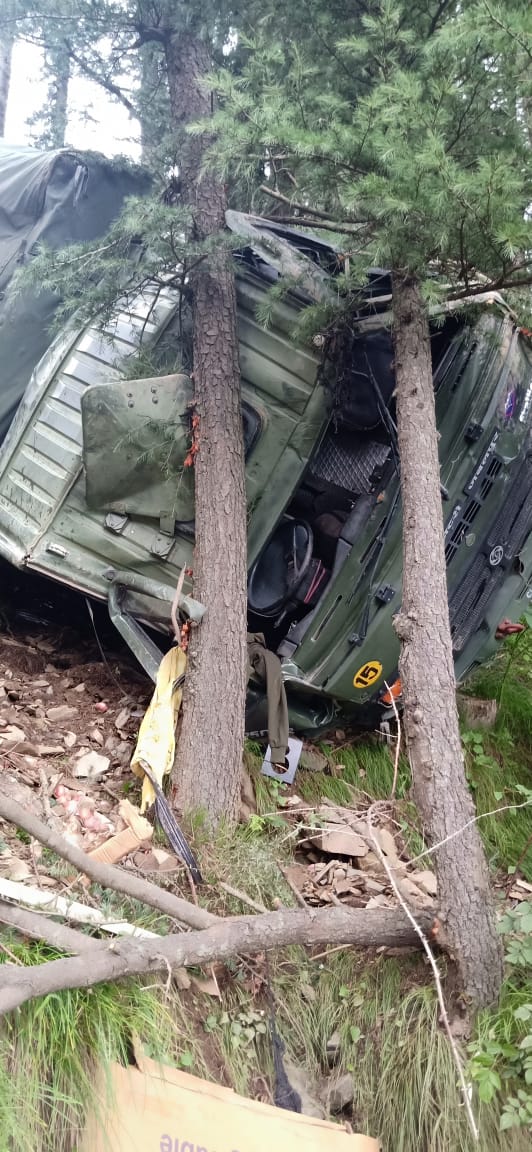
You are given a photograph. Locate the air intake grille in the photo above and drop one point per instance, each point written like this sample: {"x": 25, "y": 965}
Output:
{"x": 515, "y": 516}
{"x": 468, "y": 604}
{"x": 355, "y": 467}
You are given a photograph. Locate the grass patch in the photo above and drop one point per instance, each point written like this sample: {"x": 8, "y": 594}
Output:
{"x": 50, "y": 1048}
{"x": 248, "y": 858}
{"x": 508, "y": 680}
{"x": 498, "y": 773}
{"x": 387, "y": 1019}
{"x": 499, "y": 761}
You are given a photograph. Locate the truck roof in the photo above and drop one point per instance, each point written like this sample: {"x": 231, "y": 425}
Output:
{"x": 50, "y": 198}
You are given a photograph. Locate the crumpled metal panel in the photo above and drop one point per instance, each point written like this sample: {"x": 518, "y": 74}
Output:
{"x": 42, "y": 455}
{"x": 135, "y": 439}
{"x": 55, "y": 198}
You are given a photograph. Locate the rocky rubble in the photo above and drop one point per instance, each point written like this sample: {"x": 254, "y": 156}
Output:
{"x": 337, "y": 861}
{"x": 68, "y": 726}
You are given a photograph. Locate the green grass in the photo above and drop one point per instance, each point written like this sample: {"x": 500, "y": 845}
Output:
{"x": 386, "y": 1012}
{"x": 508, "y": 680}
{"x": 50, "y": 1048}
{"x": 506, "y": 835}
{"x": 500, "y": 779}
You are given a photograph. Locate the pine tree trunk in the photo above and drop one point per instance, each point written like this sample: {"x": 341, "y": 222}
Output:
{"x": 427, "y": 669}
{"x": 208, "y": 764}
{"x": 58, "y": 64}
{"x": 153, "y": 115}
{"x": 6, "y": 52}
{"x": 51, "y": 122}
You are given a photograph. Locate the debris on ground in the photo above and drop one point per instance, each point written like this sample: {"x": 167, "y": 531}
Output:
{"x": 68, "y": 724}
{"x": 340, "y": 1093}
{"x": 477, "y": 713}
{"x": 336, "y": 859}
{"x": 312, "y": 760}
{"x": 69, "y": 730}
{"x": 137, "y": 833}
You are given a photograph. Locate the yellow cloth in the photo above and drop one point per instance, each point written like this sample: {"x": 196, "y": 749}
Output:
{"x": 156, "y": 739}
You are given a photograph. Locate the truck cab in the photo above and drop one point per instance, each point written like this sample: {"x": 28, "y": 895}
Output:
{"x": 95, "y": 491}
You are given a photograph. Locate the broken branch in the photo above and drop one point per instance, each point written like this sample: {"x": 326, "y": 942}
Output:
{"x": 53, "y": 904}
{"x": 248, "y": 935}
{"x": 243, "y": 897}
{"x": 40, "y": 927}
{"x": 106, "y": 874}
{"x": 325, "y": 225}
{"x": 310, "y": 217}
{"x": 293, "y": 204}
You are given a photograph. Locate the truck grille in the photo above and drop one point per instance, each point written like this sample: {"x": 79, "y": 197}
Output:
{"x": 472, "y": 508}
{"x": 469, "y": 602}
{"x": 487, "y": 571}
{"x": 510, "y": 527}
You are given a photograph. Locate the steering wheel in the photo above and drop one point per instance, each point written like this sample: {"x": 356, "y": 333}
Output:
{"x": 281, "y": 567}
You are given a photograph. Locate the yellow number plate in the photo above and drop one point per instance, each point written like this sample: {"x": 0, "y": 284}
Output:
{"x": 367, "y": 674}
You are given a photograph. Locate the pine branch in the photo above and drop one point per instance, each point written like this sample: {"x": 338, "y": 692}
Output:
{"x": 440, "y": 11}
{"x": 322, "y": 220}
{"x": 500, "y": 284}
{"x": 507, "y": 31}
{"x": 326, "y": 225}
{"x": 103, "y": 81}
{"x": 304, "y": 208}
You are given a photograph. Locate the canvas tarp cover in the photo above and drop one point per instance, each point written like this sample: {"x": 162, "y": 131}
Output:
{"x": 53, "y": 198}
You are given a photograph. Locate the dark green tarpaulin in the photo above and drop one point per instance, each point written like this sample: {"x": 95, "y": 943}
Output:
{"x": 56, "y": 198}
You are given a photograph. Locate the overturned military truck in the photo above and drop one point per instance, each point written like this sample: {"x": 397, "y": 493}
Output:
{"x": 94, "y": 492}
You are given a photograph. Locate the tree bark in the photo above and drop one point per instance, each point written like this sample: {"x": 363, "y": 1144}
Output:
{"x": 6, "y": 53}
{"x": 152, "y": 102}
{"x": 427, "y": 668}
{"x": 244, "y": 935}
{"x": 209, "y": 757}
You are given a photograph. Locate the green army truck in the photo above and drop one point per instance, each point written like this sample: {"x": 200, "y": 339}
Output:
{"x": 94, "y": 492}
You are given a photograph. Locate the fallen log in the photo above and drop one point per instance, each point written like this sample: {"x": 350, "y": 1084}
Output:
{"x": 106, "y": 874}
{"x": 244, "y": 935}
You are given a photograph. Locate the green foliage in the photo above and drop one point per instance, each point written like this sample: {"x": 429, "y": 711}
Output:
{"x": 411, "y": 141}
{"x": 501, "y": 1056}
{"x": 517, "y": 924}
{"x": 146, "y": 247}
{"x": 405, "y": 1088}
{"x": 508, "y": 680}
{"x": 243, "y": 1028}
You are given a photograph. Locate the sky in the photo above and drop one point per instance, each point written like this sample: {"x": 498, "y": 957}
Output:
{"x": 95, "y": 121}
